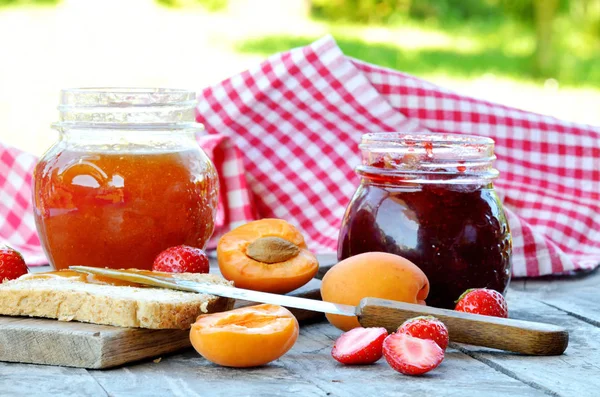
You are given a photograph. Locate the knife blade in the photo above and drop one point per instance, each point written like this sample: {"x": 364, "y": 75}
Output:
{"x": 220, "y": 290}
{"x": 519, "y": 336}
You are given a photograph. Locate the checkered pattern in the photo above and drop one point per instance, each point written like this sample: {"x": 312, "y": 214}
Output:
{"x": 299, "y": 116}
{"x": 284, "y": 138}
{"x": 17, "y": 227}
{"x": 235, "y": 206}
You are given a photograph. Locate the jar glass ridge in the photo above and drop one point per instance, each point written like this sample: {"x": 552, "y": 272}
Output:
{"x": 125, "y": 180}
{"x": 429, "y": 197}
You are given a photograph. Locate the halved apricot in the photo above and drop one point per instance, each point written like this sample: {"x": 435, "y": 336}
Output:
{"x": 245, "y": 337}
{"x": 268, "y": 255}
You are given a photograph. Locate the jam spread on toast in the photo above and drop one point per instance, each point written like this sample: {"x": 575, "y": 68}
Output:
{"x": 93, "y": 278}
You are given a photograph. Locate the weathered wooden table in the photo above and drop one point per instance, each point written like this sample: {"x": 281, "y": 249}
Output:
{"x": 309, "y": 370}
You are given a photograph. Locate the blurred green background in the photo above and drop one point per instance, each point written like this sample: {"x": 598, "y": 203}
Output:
{"x": 539, "y": 55}
{"x": 521, "y": 39}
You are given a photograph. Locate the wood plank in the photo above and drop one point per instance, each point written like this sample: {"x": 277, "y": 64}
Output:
{"x": 578, "y": 296}
{"x": 17, "y": 380}
{"x": 582, "y": 304}
{"x": 307, "y": 370}
{"x": 48, "y": 341}
{"x": 576, "y": 372}
{"x": 188, "y": 374}
{"x": 458, "y": 375}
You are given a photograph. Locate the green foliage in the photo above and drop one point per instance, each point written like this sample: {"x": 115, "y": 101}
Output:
{"x": 452, "y": 9}
{"x": 566, "y": 47}
{"x": 415, "y": 61}
{"x": 365, "y": 11}
{"x": 518, "y": 9}
{"x": 488, "y": 51}
{"x": 370, "y": 11}
{"x": 381, "y": 11}
{"x": 210, "y": 5}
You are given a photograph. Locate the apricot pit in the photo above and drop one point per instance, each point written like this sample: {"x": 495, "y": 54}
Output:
{"x": 272, "y": 250}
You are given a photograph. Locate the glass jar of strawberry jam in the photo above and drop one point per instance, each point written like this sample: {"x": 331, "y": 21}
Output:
{"x": 125, "y": 180}
{"x": 429, "y": 198}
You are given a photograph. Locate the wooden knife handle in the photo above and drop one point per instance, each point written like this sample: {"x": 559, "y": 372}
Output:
{"x": 500, "y": 333}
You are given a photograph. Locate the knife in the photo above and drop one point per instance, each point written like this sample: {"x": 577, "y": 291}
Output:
{"x": 518, "y": 336}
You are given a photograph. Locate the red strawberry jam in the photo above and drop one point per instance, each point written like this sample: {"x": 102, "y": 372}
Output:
{"x": 431, "y": 201}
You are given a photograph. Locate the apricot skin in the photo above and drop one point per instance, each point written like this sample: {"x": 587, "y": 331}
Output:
{"x": 372, "y": 274}
{"x": 245, "y": 337}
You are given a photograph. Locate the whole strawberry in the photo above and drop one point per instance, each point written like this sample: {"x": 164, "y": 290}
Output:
{"x": 426, "y": 327}
{"x": 12, "y": 265}
{"x": 482, "y": 301}
{"x": 181, "y": 259}
{"x": 359, "y": 346}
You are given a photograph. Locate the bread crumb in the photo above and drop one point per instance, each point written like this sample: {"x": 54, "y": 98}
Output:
{"x": 204, "y": 307}
{"x": 157, "y": 360}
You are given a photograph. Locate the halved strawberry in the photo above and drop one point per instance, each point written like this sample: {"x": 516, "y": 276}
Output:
{"x": 410, "y": 355}
{"x": 359, "y": 346}
{"x": 426, "y": 327}
{"x": 487, "y": 302}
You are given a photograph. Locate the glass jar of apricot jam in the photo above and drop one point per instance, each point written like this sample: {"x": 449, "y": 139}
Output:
{"x": 125, "y": 180}
{"x": 430, "y": 198}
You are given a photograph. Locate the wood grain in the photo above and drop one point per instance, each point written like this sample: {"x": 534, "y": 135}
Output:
{"x": 307, "y": 370}
{"x": 525, "y": 337}
{"x": 47, "y": 341}
{"x": 74, "y": 344}
{"x": 18, "y": 380}
{"x": 575, "y": 373}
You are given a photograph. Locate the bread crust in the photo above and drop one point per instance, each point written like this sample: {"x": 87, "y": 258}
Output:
{"x": 72, "y": 300}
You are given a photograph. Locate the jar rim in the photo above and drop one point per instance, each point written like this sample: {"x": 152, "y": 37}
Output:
{"x": 392, "y": 137}
{"x": 93, "y": 107}
{"x": 123, "y": 89}
{"x": 427, "y": 157}
{"x": 125, "y": 96}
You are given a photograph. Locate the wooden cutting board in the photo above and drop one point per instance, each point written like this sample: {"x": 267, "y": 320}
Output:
{"x": 75, "y": 344}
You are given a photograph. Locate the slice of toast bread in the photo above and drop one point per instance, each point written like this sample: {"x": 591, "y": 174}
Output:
{"x": 68, "y": 299}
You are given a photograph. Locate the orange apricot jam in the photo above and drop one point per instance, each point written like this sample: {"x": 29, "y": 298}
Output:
{"x": 93, "y": 278}
{"x": 120, "y": 210}
{"x": 125, "y": 180}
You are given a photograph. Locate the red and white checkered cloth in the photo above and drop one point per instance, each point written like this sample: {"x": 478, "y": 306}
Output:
{"x": 284, "y": 138}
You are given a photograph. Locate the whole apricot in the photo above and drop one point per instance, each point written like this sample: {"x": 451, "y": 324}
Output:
{"x": 372, "y": 274}
{"x": 245, "y": 337}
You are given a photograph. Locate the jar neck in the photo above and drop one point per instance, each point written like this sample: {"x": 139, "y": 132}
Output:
{"x": 126, "y": 138}
{"x": 427, "y": 158}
